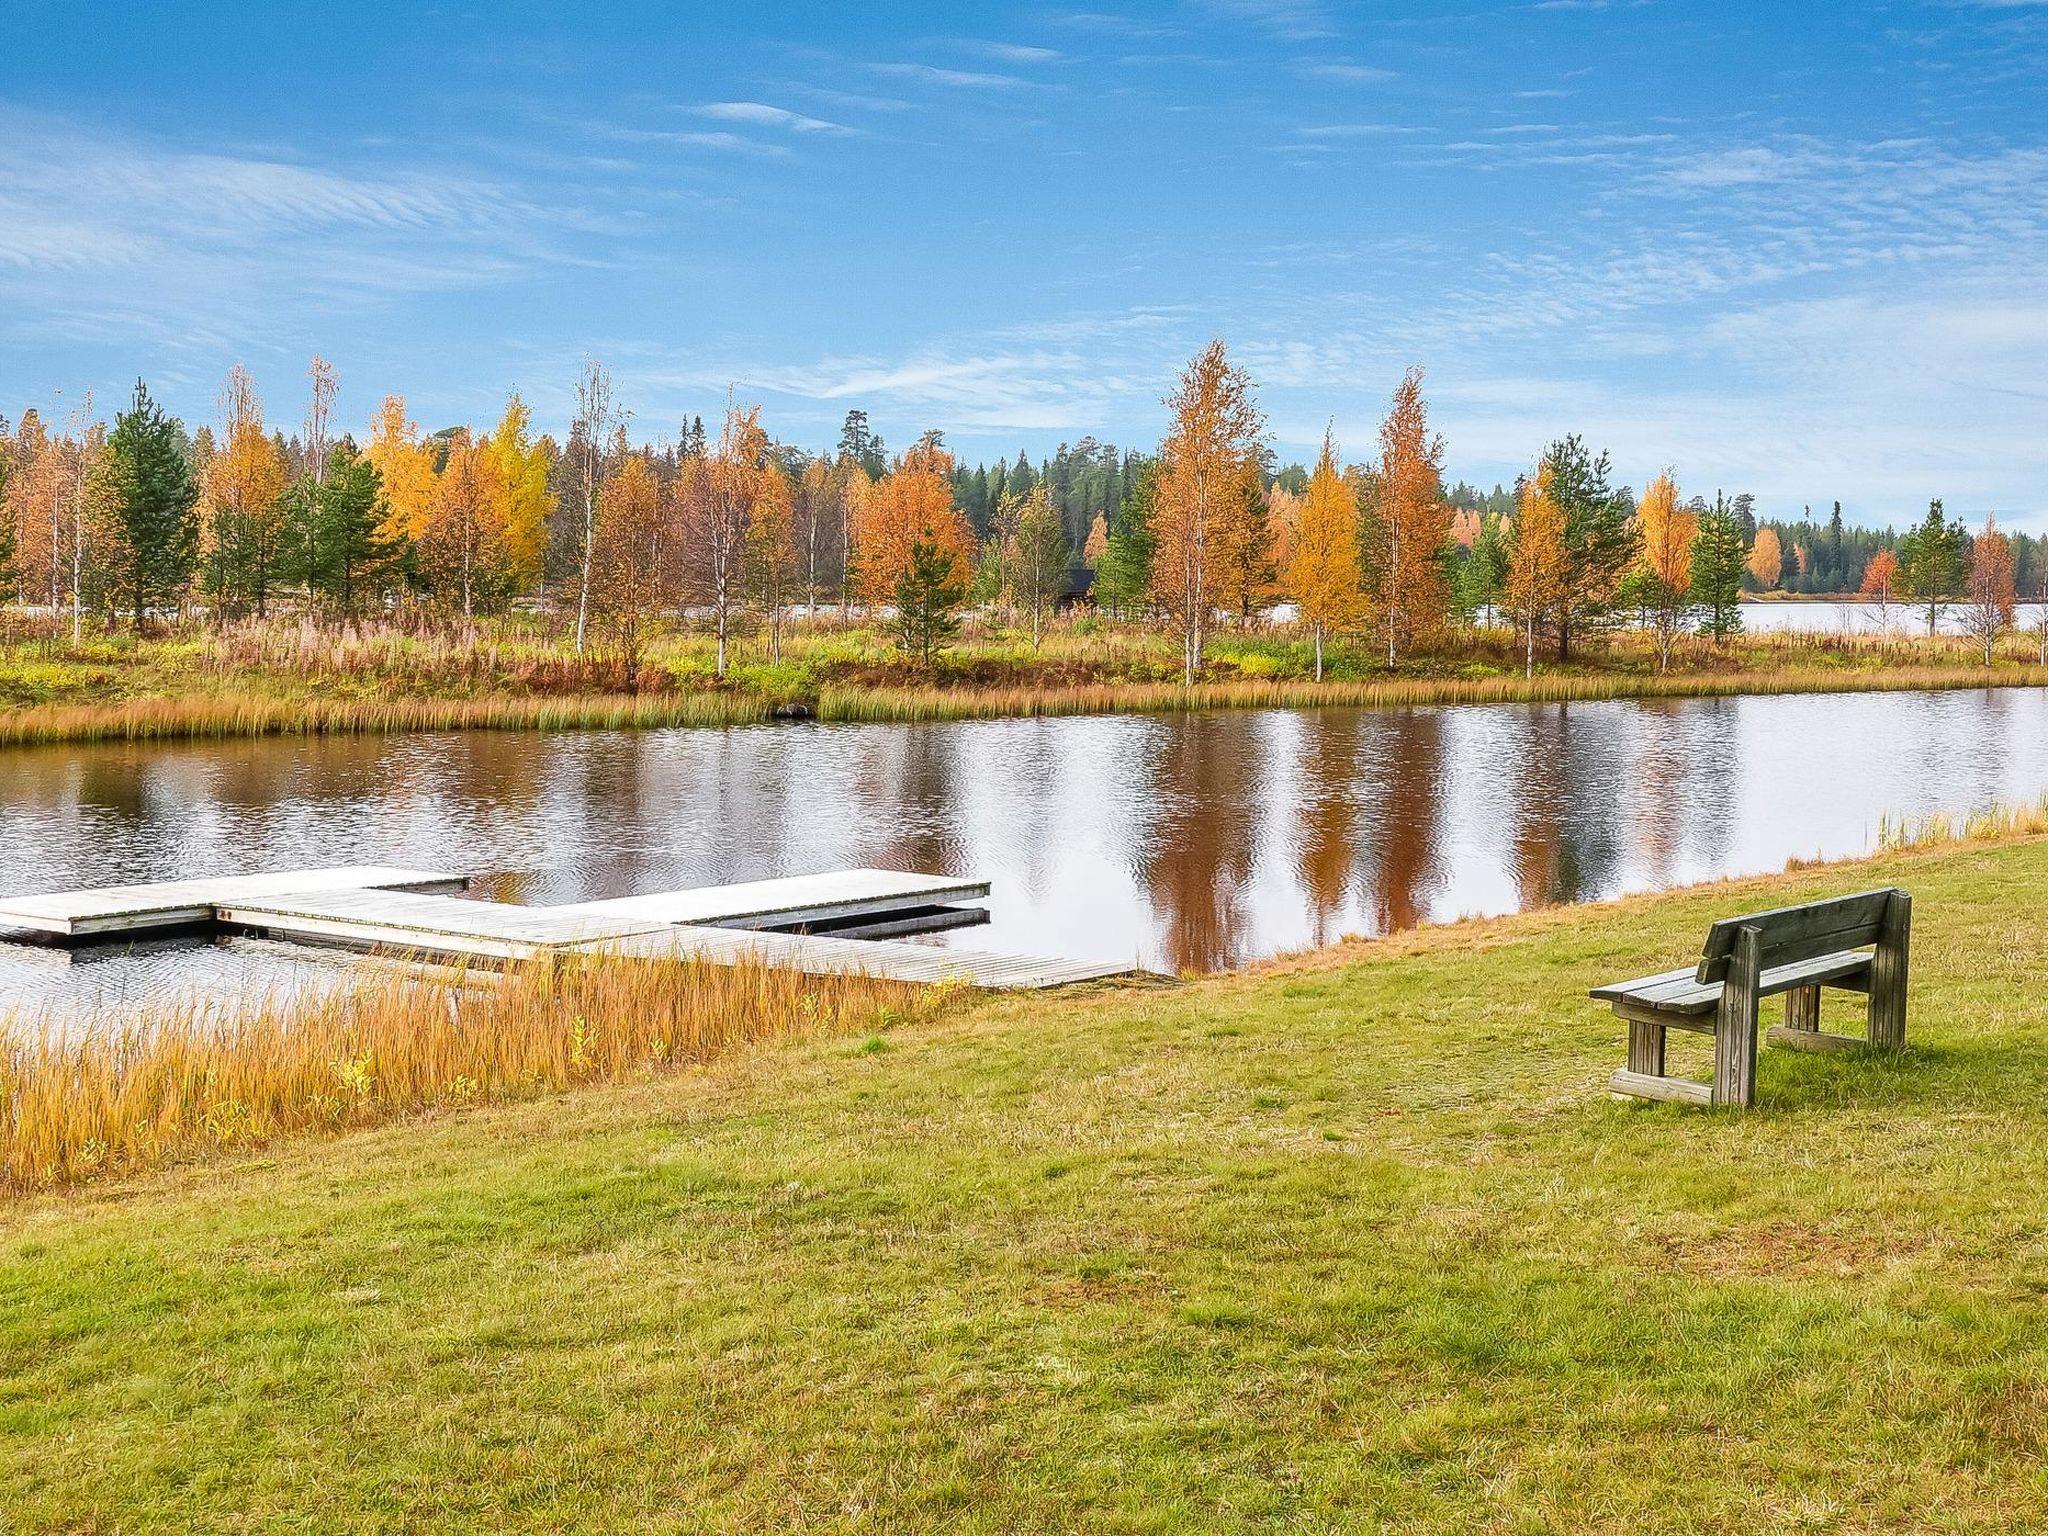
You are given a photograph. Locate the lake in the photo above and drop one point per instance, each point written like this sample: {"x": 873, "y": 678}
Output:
{"x": 1186, "y": 842}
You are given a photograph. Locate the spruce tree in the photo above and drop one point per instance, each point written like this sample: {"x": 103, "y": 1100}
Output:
{"x": 1599, "y": 537}
{"x": 351, "y": 509}
{"x": 154, "y": 496}
{"x": 1931, "y": 561}
{"x": 1126, "y": 570}
{"x": 927, "y": 594}
{"x": 1717, "y": 562}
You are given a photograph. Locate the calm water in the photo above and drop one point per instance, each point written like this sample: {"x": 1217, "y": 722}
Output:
{"x": 1189, "y": 842}
{"x": 1832, "y": 618}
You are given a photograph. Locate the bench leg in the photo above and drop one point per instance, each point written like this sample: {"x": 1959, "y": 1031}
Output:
{"x": 1646, "y": 1047}
{"x": 1735, "y": 1023}
{"x": 1888, "y": 974}
{"x": 1802, "y": 1008}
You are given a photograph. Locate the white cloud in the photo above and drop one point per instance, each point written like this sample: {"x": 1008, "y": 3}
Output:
{"x": 768, "y": 117}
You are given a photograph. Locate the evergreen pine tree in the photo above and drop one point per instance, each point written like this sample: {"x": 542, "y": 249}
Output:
{"x": 1126, "y": 570}
{"x": 1931, "y": 561}
{"x": 1717, "y": 563}
{"x": 927, "y": 594}
{"x": 1599, "y": 538}
{"x": 154, "y": 496}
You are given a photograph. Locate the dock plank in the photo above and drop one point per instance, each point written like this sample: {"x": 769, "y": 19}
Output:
{"x": 178, "y": 903}
{"x": 789, "y": 899}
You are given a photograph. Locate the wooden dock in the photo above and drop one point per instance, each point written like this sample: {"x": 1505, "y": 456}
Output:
{"x": 400, "y": 910}
{"x": 118, "y": 909}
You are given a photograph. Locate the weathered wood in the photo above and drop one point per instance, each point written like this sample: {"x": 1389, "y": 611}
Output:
{"x": 117, "y": 909}
{"x": 1887, "y": 1011}
{"x": 1789, "y": 934}
{"x": 789, "y": 901}
{"x": 1814, "y": 1039}
{"x": 1677, "y": 994}
{"x": 1735, "y": 1022}
{"x": 1697, "y": 1023}
{"x": 1646, "y": 1047}
{"x": 1671, "y": 1090}
{"x": 1802, "y": 1008}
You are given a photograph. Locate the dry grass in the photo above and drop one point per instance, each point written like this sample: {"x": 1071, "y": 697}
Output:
{"x": 1994, "y": 823}
{"x": 187, "y": 1080}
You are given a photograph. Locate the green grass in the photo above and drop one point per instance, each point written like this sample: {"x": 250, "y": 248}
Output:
{"x": 1353, "y": 1242}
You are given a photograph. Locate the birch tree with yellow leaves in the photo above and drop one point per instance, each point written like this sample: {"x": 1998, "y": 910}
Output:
{"x": 1409, "y": 526}
{"x": 462, "y": 540}
{"x": 405, "y": 470}
{"x": 1214, "y": 435}
{"x": 1667, "y": 530}
{"x": 1323, "y": 569}
{"x": 521, "y": 466}
{"x": 242, "y": 523}
{"x": 1538, "y": 569}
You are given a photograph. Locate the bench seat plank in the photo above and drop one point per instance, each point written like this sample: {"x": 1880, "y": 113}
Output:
{"x": 1677, "y": 992}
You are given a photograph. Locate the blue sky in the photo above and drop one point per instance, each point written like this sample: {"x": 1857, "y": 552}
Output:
{"x": 1795, "y": 249}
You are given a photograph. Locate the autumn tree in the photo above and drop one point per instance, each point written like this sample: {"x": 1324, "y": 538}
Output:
{"x": 1323, "y": 569}
{"x": 154, "y": 501}
{"x": 463, "y": 538}
{"x": 1539, "y": 566}
{"x": 720, "y": 495}
{"x": 1766, "y": 559}
{"x": 587, "y": 439}
{"x": 912, "y": 504}
{"x": 405, "y": 474}
{"x": 819, "y": 501}
{"x": 1096, "y": 545}
{"x": 9, "y": 537}
{"x": 1039, "y": 558}
{"x": 632, "y": 565}
{"x": 1666, "y": 529}
{"x": 1880, "y": 584}
{"x": 1599, "y": 538}
{"x": 1408, "y": 525}
{"x": 1717, "y": 565}
{"x": 520, "y": 465}
{"x": 1214, "y": 436}
{"x": 35, "y": 500}
{"x": 244, "y": 502}
{"x": 1244, "y": 544}
{"x": 1991, "y": 599}
{"x": 1931, "y": 561}
{"x": 773, "y": 570}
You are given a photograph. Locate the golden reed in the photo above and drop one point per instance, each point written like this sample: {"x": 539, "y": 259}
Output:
{"x": 186, "y": 1080}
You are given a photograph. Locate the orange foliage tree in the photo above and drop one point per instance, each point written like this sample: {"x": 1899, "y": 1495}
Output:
{"x": 1322, "y": 569}
{"x": 1880, "y": 583}
{"x": 1992, "y": 599}
{"x": 1410, "y": 524}
{"x": 912, "y": 504}
{"x": 1766, "y": 558}
{"x": 462, "y": 536}
{"x": 1214, "y": 436}
{"x": 1538, "y": 571}
{"x": 243, "y": 510}
{"x": 1667, "y": 530}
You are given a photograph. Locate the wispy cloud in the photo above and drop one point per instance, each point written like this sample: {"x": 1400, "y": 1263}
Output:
{"x": 769, "y": 117}
{"x": 965, "y": 79}
{"x": 1295, "y": 20}
{"x": 1362, "y": 73}
{"x": 1010, "y": 53}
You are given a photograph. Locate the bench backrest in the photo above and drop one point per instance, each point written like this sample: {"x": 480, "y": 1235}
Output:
{"x": 1789, "y": 934}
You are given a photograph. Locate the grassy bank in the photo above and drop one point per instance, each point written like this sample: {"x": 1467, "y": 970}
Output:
{"x": 1354, "y": 1241}
{"x": 289, "y": 678}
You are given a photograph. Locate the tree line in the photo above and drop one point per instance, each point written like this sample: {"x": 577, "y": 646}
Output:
{"x": 143, "y": 520}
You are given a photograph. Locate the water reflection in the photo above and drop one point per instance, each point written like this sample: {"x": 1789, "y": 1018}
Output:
{"x": 1193, "y": 843}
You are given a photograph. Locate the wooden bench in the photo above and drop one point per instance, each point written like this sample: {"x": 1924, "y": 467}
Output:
{"x": 1793, "y": 950}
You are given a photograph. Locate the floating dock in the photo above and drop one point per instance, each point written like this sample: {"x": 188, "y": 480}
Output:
{"x": 771, "y": 921}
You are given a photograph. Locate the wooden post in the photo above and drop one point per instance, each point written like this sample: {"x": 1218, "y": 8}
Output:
{"x": 1802, "y": 1008}
{"x": 1888, "y": 974}
{"x": 1735, "y": 1022}
{"x": 1646, "y": 1047}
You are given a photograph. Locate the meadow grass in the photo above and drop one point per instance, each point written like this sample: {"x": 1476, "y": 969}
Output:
{"x": 288, "y": 676}
{"x": 1350, "y": 1241}
{"x": 193, "y": 1078}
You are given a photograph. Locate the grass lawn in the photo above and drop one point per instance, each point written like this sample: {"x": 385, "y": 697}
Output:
{"x": 1350, "y": 1242}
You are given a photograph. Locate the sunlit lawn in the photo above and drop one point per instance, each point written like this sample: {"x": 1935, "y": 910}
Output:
{"x": 1353, "y": 1243}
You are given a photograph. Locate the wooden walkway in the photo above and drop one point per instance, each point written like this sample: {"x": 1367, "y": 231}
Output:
{"x": 389, "y": 910}
{"x": 183, "y": 903}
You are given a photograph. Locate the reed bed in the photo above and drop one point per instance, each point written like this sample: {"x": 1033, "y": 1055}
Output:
{"x": 1989, "y": 824}
{"x": 223, "y": 715}
{"x": 190, "y": 1080}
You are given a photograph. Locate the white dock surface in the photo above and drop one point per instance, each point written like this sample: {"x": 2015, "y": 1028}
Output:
{"x": 386, "y": 908}
{"x": 791, "y": 899}
{"x": 172, "y": 903}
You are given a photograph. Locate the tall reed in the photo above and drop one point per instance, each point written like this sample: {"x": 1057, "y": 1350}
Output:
{"x": 1988, "y": 824}
{"x": 207, "y": 716}
{"x": 188, "y": 1079}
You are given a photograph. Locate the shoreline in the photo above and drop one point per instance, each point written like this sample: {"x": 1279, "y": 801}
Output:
{"x": 205, "y": 717}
